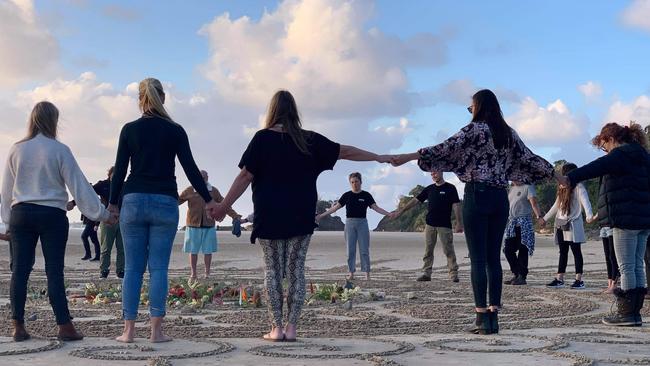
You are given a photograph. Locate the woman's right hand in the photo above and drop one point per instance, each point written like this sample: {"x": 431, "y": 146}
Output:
{"x": 5, "y": 237}
{"x": 114, "y": 217}
{"x": 541, "y": 222}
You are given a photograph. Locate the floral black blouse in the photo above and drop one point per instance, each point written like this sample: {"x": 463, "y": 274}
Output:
{"x": 471, "y": 154}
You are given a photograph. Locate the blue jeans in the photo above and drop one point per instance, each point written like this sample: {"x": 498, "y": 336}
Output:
{"x": 148, "y": 223}
{"x": 356, "y": 230}
{"x": 630, "y": 246}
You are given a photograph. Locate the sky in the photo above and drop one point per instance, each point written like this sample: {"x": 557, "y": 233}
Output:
{"x": 386, "y": 76}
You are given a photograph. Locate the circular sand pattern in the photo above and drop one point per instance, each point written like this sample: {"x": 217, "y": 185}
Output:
{"x": 334, "y": 349}
{"x": 169, "y": 351}
{"x": 10, "y": 348}
{"x": 605, "y": 337}
{"x": 511, "y": 343}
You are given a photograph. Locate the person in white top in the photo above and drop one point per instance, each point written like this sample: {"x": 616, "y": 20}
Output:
{"x": 38, "y": 170}
{"x": 569, "y": 227}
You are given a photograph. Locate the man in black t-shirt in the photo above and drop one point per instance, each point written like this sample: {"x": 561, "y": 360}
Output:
{"x": 441, "y": 197}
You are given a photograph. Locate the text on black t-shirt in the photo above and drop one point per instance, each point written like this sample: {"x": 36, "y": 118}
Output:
{"x": 356, "y": 204}
{"x": 440, "y": 201}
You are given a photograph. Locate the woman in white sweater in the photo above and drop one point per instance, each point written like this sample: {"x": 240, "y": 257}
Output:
{"x": 569, "y": 227}
{"x": 38, "y": 170}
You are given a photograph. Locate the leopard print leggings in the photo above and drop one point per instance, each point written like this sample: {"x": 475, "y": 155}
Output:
{"x": 285, "y": 258}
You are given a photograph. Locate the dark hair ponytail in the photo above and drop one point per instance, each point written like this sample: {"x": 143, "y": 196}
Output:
{"x": 621, "y": 134}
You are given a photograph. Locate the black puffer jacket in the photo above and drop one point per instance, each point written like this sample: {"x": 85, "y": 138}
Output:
{"x": 624, "y": 197}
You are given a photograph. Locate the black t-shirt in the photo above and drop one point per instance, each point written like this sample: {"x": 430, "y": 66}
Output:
{"x": 356, "y": 204}
{"x": 284, "y": 182}
{"x": 151, "y": 145}
{"x": 440, "y": 200}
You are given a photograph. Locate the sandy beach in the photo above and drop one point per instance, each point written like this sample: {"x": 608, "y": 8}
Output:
{"x": 417, "y": 323}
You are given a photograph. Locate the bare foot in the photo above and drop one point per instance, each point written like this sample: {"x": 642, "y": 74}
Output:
{"x": 350, "y": 276}
{"x": 290, "y": 333}
{"x": 160, "y": 338}
{"x": 275, "y": 335}
{"x": 367, "y": 276}
{"x": 125, "y": 338}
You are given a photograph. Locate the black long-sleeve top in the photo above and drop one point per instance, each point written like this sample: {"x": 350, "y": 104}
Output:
{"x": 151, "y": 145}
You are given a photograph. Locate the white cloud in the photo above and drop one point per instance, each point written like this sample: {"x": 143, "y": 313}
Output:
{"x": 552, "y": 125}
{"x": 637, "y": 110}
{"x": 637, "y": 15}
{"x": 321, "y": 51}
{"x": 27, "y": 49}
{"x": 591, "y": 90}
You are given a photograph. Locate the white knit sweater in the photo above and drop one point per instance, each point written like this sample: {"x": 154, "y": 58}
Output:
{"x": 38, "y": 171}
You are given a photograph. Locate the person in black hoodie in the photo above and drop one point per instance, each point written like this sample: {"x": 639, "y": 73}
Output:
{"x": 624, "y": 205}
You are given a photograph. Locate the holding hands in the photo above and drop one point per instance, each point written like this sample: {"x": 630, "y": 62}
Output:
{"x": 115, "y": 215}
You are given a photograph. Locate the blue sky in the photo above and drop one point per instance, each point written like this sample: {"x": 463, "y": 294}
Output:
{"x": 534, "y": 55}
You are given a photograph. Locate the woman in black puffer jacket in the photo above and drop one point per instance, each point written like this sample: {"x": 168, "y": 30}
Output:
{"x": 624, "y": 205}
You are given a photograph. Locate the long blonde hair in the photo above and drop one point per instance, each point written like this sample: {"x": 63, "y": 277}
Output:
{"x": 283, "y": 110}
{"x": 44, "y": 119}
{"x": 151, "y": 98}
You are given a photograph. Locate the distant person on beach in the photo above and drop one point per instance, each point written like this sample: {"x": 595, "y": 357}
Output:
{"x": 519, "y": 241}
{"x": 38, "y": 170}
{"x": 623, "y": 205}
{"x": 108, "y": 234}
{"x": 441, "y": 197}
{"x": 485, "y": 154}
{"x": 149, "y": 198}
{"x": 283, "y": 162}
{"x": 356, "y": 202}
{"x": 569, "y": 229}
{"x": 200, "y": 231}
{"x": 87, "y": 235}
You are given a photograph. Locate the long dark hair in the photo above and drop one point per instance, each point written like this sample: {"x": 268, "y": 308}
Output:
{"x": 565, "y": 193}
{"x": 486, "y": 109}
{"x": 283, "y": 110}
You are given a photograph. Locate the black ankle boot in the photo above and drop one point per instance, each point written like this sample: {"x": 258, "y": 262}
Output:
{"x": 482, "y": 324}
{"x": 640, "y": 297}
{"x": 625, "y": 309}
{"x": 494, "y": 321}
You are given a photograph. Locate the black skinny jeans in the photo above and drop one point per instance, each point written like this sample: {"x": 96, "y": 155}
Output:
{"x": 610, "y": 258}
{"x": 89, "y": 232}
{"x": 576, "y": 249}
{"x": 516, "y": 254}
{"x": 485, "y": 214}
{"x": 28, "y": 224}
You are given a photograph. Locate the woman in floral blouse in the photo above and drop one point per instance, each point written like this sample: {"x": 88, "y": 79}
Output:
{"x": 485, "y": 155}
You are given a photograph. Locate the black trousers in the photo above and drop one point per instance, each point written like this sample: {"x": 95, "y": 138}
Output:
{"x": 576, "y": 249}
{"x": 516, "y": 254}
{"x": 28, "y": 224}
{"x": 647, "y": 262}
{"x": 485, "y": 214}
{"x": 610, "y": 258}
{"x": 90, "y": 233}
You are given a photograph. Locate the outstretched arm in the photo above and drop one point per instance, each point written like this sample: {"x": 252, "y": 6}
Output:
{"x": 536, "y": 210}
{"x": 355, "y": 154}
{"x": 335, "y": 207}
{"x": 380, "y": 210}
{"x": 238, "y": 187}
{"x": 410, "y": 204}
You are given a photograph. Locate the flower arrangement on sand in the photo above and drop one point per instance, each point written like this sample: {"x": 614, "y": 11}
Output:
{"x": 331, "y": 292}
{"x": 181, "y": 294}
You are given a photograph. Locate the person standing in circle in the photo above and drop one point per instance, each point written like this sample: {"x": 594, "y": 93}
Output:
{"x": 90, "y": 232}
{"x": 149, "y": 211}
{"x": 283, "y": 162}
{"x": 623, "y": 205}
{"x": 356, "y": 202}
{"x": 520, "y": 231}
{"x": 108, "y": 234}
{"x": 39, "y": 169}
{"x": 200, "y": 232}
{"x": 569, "y": 228}
{"x": 442, "y": 197}
{"x": 485, "y": 154}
